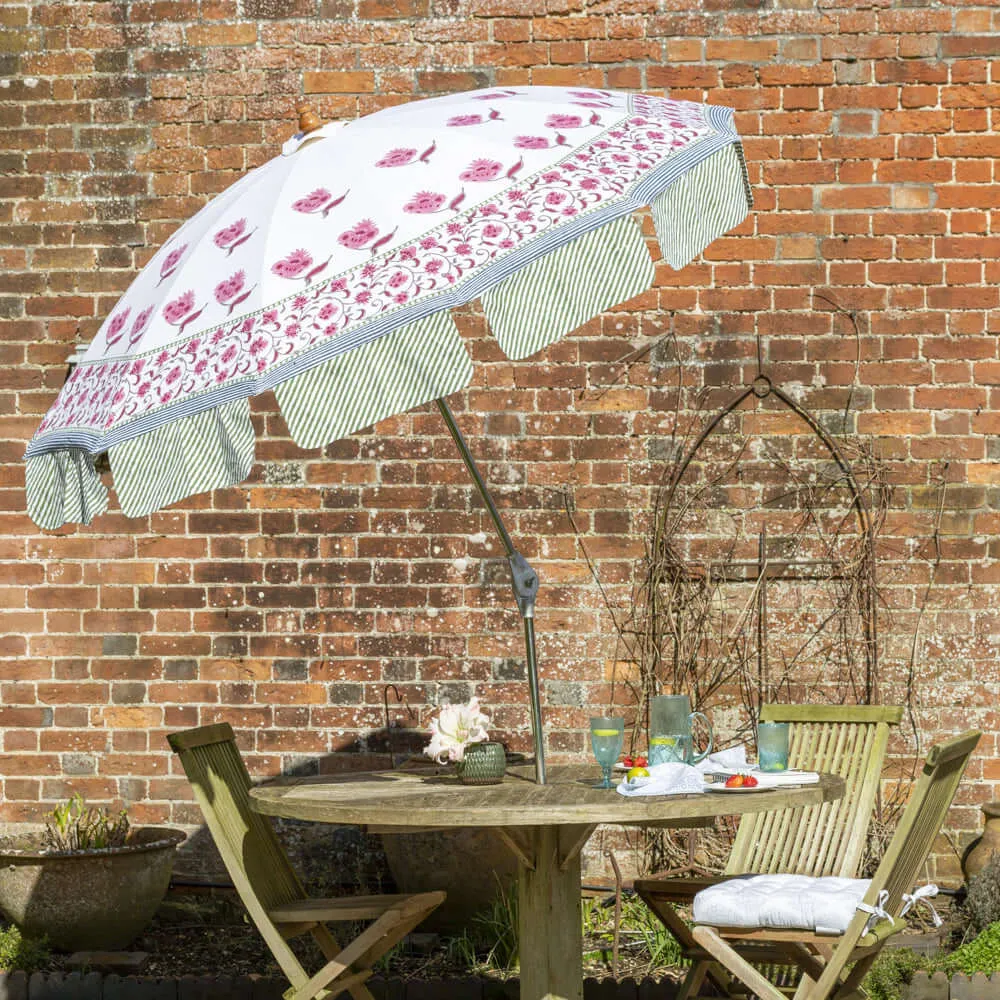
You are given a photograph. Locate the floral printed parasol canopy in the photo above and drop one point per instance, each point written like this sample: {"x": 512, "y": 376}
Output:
{"x": 327, "y": 274}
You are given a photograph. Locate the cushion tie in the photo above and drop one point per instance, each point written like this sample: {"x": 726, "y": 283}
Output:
{"x": 877, "y": 910}
{"x": 923, "y": 894}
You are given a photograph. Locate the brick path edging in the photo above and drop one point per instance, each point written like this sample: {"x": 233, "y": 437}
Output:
{"x": 96, "y": 986}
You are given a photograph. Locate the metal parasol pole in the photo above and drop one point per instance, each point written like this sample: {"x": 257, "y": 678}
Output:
{"x": 524, "y": 581}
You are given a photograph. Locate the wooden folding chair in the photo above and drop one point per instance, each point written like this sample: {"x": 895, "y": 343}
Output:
{"x": 270, "y": 889}
{"x": 833, "y": 967}
{"x": 827, "y": 839}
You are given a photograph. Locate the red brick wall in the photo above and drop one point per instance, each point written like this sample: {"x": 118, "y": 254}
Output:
{"x": 286, "y": 605}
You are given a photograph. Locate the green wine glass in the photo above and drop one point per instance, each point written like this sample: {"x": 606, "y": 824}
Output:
{"x": 607, "y": 736}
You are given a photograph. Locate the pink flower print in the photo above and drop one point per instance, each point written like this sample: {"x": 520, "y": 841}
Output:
{"x": 200, "y": 366}
{"x": 179, "y": 312}
{"x": 173, "y": 375}
{"x": 400, "y": 298}
{"x": 175, "y": 311}
{"x": 143, "y": 389}
{"x": 233, "y": 285}
{"x": 116, "y": 328}
{"x": 425, "y": 203}
{"x": 319, "y": 200}
{"x": 397, "y": 158}
{"x": 554, "y": 198}
{"x": 363, "y": 296}
{"x": 359, "y": 235}
{"x": 230, "y": 292}
{"x": 229, "y": 354}
{"x": 492, "y": 230}
{"x": 340, "y": 285}
{"x": 398, "y": 279}
{"x": 532, "y": 142}
{"x": 589, "y": 94}
{"x": 433, "y": 265}
{"x": 258, "y": 344}
{"x": 248, "y": 324}
{"x": 461, "y": 120}
{"x": 294, "y": 265}
{"x": 506, "y": 244}
{"x": 494, "y": 95}
{"x": 589, "y": 183}
{"x": 312, "y": 202}
{"x": 327, "y": 311}
{"x": 230, "y": 237}
{"x": 482, "y": 170}
{"x": 563, "y": 121}
{"x": 170, "y": 263}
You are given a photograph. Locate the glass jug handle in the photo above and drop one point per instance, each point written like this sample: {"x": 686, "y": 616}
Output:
{"x": 708, "y": 726}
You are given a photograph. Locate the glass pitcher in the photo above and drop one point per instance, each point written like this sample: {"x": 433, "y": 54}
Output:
{"x": 670, "y": 719}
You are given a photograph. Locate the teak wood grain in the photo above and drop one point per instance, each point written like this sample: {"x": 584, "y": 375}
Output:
{"x": 432, "y": 799}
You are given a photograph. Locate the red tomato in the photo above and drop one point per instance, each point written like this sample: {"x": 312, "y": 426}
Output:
{"x": 641, "y": 761}
{"x": 736, "y": 781}
{"x": 749, "y": 781}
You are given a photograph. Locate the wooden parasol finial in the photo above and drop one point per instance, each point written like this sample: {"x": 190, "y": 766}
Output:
{"x": 309, "y": 121}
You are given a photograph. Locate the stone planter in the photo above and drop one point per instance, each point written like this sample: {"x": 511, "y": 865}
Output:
{"x": 90, "y": 900}
{"x": 981, "y": 850}
{"x": 470, "y": 865}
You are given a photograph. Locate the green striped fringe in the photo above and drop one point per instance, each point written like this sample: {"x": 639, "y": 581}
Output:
{"x": 701, "y": 205}
{"x": 206, "y": 451}
{"x": 564, "y": 289}
{"x": 63, "y": 486}
{"x": 415, "y": 364}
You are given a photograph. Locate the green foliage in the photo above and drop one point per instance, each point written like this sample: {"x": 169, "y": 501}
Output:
{"x": 496, "y": 927}
{"x": 892, "y": 972}
{"x": 895, "y": 967}
{"x": 74, "y": 827}
{"x": 982, "y": 902}
{"x": 642, "y": 935}
{"x": 17, "y": 952}
{"x": 982, "y": 954}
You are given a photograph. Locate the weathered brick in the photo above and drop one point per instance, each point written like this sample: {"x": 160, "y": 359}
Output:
{"x": 284, "y": 606}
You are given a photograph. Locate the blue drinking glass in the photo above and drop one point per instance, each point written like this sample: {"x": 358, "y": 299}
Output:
{"x": 607, "y": 736}
{"x": 772, "y": 746}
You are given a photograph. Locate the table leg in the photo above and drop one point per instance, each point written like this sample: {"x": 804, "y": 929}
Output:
{"x": 551, "y": 947}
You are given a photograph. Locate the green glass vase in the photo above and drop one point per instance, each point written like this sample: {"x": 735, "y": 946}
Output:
{"x": 483, "y": 764}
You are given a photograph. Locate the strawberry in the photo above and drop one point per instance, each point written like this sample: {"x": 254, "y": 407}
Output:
{"x": 629, "y": 762}
{"x": 749, "y": 781}
{"x": 641, "y": 761}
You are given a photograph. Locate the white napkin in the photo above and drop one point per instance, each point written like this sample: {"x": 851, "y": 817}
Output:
{"x": 688, "y": 779}
{"x": 684, "y": 779}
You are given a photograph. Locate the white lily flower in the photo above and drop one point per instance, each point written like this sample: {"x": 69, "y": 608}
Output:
{"x": 455, "y": 728}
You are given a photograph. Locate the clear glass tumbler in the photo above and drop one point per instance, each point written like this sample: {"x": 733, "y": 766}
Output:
{"x": 607, "y": 736}
{"x": 772, "y": 746}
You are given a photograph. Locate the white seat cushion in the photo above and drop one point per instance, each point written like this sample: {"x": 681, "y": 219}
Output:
{"x": 800, "y": 902}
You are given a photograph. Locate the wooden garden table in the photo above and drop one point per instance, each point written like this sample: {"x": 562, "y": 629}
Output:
{"x": 545, "y": 826}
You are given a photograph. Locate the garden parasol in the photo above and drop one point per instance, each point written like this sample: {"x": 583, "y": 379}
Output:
{"x": 327, "y": 275}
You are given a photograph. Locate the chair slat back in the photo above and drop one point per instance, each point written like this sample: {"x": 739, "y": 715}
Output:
{"x": 923, "y": 818}
{"x": 906, "y": 854}
{"x": 826, "y": 839}
{"x": 252, "y": 854}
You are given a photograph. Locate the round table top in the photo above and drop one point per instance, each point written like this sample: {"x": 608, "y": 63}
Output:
{"x": 431, "y": 798}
